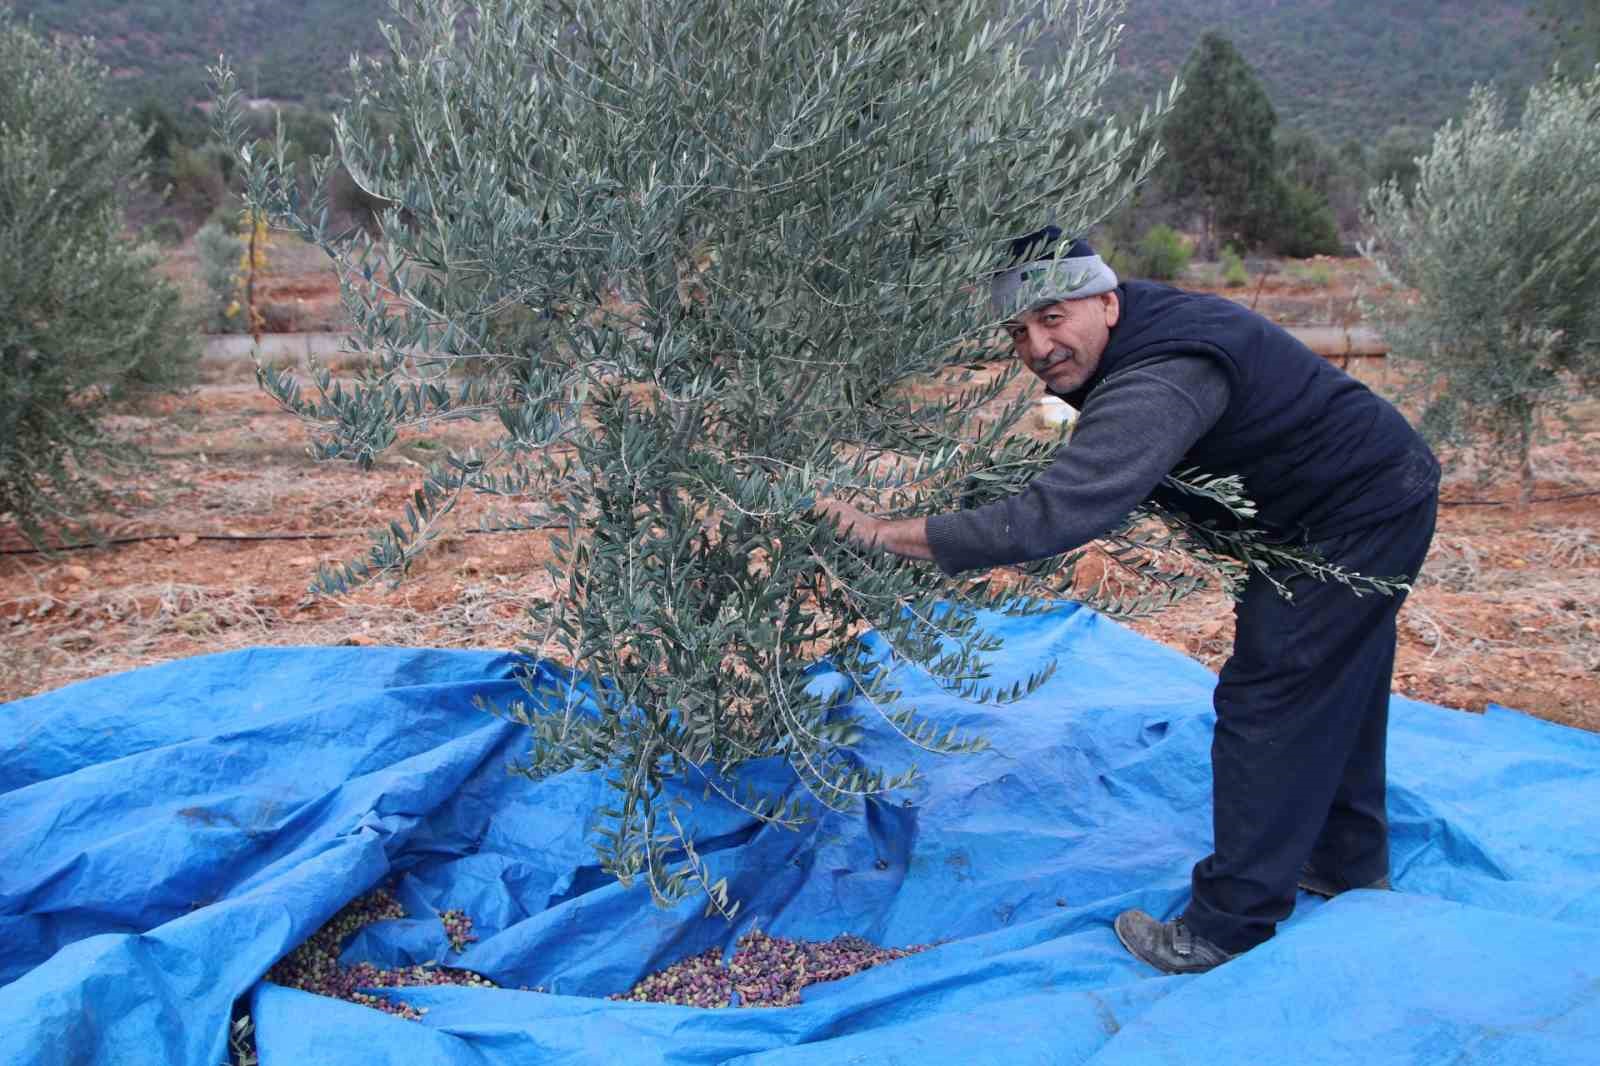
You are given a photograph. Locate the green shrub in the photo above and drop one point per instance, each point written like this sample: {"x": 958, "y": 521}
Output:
{"x": 1234, "y": 275}
{"x": 1314, "y": 275}
{"x": 1303, "y": 225}
{"x": 220, "y": 254}
{"x": 199, "y": 187}
{"x": 1396, "y": 157}
{"x": 85, "y": 319}
{"x": 1336, "y": 175}
{"x": 1115, "y": 253}
{"x": 1162, "y": 254}
{"x": 165, "y": 231}
{"x": 228, "y": 215}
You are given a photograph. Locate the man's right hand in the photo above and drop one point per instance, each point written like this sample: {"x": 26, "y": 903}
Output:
{"x": 855, "y": 524}
{"x": 905, "y": 537}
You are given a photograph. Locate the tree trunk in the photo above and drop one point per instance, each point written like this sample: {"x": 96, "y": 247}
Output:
{"x": 1208, "y": 235}
{"x": 1525, "y": 464}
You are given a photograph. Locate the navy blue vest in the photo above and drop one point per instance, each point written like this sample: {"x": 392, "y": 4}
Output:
{"x": 1318, "y": 451}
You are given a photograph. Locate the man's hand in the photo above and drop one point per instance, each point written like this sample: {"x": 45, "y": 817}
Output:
{"x": 857, "y": 526}
{"x": 905, "y": 537}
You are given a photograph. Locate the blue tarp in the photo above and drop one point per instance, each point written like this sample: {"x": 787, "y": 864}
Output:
{"x": 167, "y": 834}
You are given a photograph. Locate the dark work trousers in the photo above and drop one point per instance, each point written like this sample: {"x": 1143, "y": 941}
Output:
{"x": 1297, "y": 760}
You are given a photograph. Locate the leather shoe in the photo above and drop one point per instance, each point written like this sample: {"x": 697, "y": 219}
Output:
{"x": 1170, "y": 947}
{"x": 1328, "y": 885}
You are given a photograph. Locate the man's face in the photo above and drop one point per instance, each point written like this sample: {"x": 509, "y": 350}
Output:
{"x": 1062, "y": 343}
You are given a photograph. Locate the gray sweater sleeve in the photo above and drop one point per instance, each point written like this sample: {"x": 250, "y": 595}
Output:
{"x": 1134, "y": 429}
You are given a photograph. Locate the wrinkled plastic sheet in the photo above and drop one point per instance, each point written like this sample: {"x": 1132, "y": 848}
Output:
{"x": 169, "y": 833}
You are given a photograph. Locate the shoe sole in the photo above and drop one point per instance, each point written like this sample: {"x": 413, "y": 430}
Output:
{"x": 1116, "y": 927}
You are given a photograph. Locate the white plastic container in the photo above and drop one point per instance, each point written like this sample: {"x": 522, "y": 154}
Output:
{"x": 1051, "y": 413}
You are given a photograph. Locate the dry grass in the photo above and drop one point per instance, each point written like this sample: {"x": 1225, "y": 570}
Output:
{"x": 1454, "y": 564}
{"x": 1574, "y": 546}
{"x": 62, "y": 638}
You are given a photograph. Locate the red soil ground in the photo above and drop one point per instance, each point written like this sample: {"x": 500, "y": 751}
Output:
{"x": 1508, "y": 609}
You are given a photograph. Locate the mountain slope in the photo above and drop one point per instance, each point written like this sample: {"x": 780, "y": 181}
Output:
{"x": 1340, "y": 68}
{"x": 1347, "y": 69}
{"x": 289, "y": 49}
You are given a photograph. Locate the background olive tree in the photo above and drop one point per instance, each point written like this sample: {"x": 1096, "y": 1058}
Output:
{"x": 86, "y": 322}
{"x": 1500, "y": 239}
{"x": 703, "y": 262}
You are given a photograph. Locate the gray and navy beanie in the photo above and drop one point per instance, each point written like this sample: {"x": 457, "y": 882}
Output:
{"x": 1041, "y": 274}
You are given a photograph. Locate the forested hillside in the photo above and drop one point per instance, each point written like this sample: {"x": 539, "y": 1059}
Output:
{"x": 1348, "y": 69}
{"x": 289, "y": 49}
{"x": 1340, "y": 68}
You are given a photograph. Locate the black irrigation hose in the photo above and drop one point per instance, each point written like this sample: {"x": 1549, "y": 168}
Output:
{"x": 145, "y": 537}
{"x": 1512, "y": 503}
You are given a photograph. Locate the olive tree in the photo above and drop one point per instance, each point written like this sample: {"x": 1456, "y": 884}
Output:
{"x": 706, "y": 262}
{"x": 85, "y": 319}
{"x": 1500, "y": 242}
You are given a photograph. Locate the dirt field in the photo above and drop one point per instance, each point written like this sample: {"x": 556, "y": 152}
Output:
{"x": 1508, "y": 610}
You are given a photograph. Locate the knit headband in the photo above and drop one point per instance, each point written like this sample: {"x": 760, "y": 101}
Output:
{"x": 1040, "y": 276}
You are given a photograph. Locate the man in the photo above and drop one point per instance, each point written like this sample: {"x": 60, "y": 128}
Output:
{"x": 1167, "y": 379}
